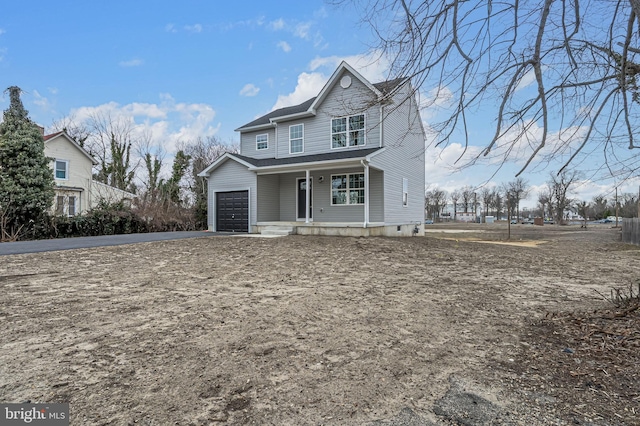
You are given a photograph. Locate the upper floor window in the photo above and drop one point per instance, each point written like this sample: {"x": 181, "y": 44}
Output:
{"x": 62, "y": 169}
{"x": 347, "y": 131}
{"x": 262, "y": 141}
{"x": 296, "y": 138}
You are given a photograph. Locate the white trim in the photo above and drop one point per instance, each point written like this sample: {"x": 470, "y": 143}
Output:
{"x": 347, "y": 189}
{"x": 55, "y": 169}
{"x": 226, "y": 156}
{"x": 347, "y": 117}
{"x": 333, "y": 79}
{"x": 301, "y": 138}
{"x": 214, "y": 217}
{"x": 265, "y": 141}
{"x": 308, "y": 195}
{"x": 74, "y": 143}
{"x": 366, "y": 193}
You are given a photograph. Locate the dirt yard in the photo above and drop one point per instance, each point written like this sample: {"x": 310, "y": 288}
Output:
{"x": 451, "y": 328}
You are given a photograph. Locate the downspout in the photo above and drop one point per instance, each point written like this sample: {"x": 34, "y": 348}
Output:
{"x": 307, "y": 194}
{"x": 275, "y": 126}
{"x": 365, "y": 164}
{"x": 381, "y": 124}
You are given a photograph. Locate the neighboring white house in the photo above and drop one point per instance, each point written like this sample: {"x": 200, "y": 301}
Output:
{"x": 76, "y": 191}
{"x": 349, "y": 161}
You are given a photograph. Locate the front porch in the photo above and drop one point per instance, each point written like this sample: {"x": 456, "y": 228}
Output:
{"x": 343, "y": 229}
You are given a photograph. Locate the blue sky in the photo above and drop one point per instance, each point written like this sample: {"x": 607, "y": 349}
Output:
{"x": 185, "y": 69}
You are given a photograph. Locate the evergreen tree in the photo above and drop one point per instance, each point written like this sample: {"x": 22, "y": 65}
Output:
{"x": 26, "y": 180}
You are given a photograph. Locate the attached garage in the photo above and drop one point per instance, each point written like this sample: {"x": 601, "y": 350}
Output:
{"x": 232, "y": 211}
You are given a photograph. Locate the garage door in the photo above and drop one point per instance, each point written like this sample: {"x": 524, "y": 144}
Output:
{"x": 232, "y": 211}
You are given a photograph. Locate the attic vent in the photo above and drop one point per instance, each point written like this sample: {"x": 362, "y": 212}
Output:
{"x": 345, "y": 82}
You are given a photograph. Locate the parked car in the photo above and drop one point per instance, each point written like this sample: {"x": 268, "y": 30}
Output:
{"x": 513, "y": 221}
{"x": 428, "y": 222}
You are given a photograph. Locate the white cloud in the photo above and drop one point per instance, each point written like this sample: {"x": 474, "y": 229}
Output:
{"x": 195, "y": 28}
{"x": 277, "y": 25}
{"x": 249, "y": 90}
{"x": 3, "y": 51}
{"x": 131, "y": 63}
{"x": 40, "y": 100}
{"x": 53, "y": 90}
{"x": 170, "y": 28}
{"x": 373, "y": 66}
{"x": 284, "y": 46}
{"x": 166, "y": 122}
{"x": 309, "y": 84}
{"x": 2, "y": 31}
{"x": 321, "y": 13}
{"x": 301, "y": 30}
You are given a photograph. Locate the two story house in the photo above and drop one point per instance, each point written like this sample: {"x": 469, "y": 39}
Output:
{"x": 75, "y": 190}
{"x": 349, "y": 161}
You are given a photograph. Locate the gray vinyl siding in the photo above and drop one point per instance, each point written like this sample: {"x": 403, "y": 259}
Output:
{"x": 232, "y": 176}
{"x": 323, "y": 211}
{"x": 376, "y": 195}
{"x": 268, "y": 198}
{"x": 403, "y": 158}
{"x": 338, "y": 103}
{"x": 288, "y": 208}
{"x": 248, "y": 144}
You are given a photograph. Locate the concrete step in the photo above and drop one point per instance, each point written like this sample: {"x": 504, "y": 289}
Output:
{"x": 278, "y": 230}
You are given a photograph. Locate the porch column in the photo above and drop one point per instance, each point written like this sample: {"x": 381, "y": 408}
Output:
{"x": 307, "y": 194}
{"x": 365, "y": 164}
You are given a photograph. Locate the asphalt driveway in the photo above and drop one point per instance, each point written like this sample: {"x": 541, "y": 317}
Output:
{"x": 21, "y": 247}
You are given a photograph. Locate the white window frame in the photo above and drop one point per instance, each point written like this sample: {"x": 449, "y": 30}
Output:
{"x": 59, "y": 205}
{"x": 71, "y": 208}
{"x": 405, "y": 192}
{"x": 66, "y": 169}
{"x": 347, "y": 132}
{"x": 348, "y": 189}
{"x": 296, "y": 139}
{"x": 265, "y": 142}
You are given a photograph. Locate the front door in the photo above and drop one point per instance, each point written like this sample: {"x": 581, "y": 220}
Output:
{"x": 302, "y": 198}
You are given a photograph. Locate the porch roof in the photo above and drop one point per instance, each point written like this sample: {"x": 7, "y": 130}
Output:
{"x": 354, "y": 154}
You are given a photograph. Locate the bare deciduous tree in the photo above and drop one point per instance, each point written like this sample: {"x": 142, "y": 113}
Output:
{"x": 561, "y": 75}
{"x": 455, "y": 196}
{"x": 559, "y": 187}
{"x": 518, "y": 190}
{"x": 435, "y": 201}
{"x": 467, "y": 197}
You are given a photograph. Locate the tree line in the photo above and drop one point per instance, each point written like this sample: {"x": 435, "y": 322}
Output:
{"x": 502, "y": 201}
{"x": 171, "y": 199}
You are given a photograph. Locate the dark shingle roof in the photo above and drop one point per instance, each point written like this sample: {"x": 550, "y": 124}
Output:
{"x": 329, "y": 156}
{"x": 388, "y": 86}
{"x": 280, "y": 113}
{"x": 385, "y": 87}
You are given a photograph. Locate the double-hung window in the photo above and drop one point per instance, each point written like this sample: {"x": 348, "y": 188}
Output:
{"x": 296, "y": 139}
{"x": 347, "y": 131}
{"x": 62, "y": 169}
{"x": 347, "y": 189}
{"x": 262, "y": 141}
{"x": 72, "y": 205}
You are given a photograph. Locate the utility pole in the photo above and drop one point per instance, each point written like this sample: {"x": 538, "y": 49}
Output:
{"x": 617, "y": 206}
{"x": 508, "y": 216}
